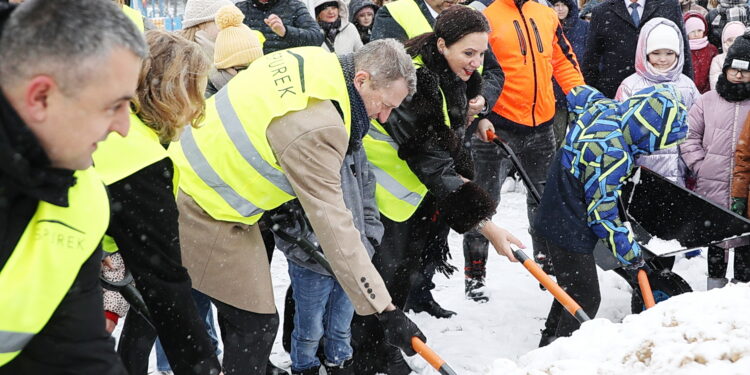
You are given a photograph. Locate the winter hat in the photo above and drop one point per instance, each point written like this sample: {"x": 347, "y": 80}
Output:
{"x": 694, "y": 23}
{"x": 738, "y": 56}
{"x": 327, "y": 4}
{"x": 731, "y": 30}
{"x": 663, "y": 37}
{"x": 236, "y": 44}
{"x": 200, "y": 11}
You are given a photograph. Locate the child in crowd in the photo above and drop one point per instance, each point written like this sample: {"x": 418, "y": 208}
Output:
{"x": 236, "y": 47}
{"x": 716, "y": 120}
{"x": 731, "y": 31}
{"x": 362, "y": 15}
{"x": 659, "y": 59}
{"x": 702, "y": 51}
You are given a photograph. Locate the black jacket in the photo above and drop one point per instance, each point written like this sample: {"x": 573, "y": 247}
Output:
{"x": 613, "y": 37}
{"x": 384, "y": 26}
{"x": 432, "y": 150}
{"x": 301, "y": 28}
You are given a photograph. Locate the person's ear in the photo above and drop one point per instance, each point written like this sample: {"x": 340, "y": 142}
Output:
{"x": 37, "y": 96}
{"x": 441, "y": 45}
{"x": 360, "y": 78}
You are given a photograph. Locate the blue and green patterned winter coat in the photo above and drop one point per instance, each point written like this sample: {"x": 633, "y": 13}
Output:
{"x": 579, "y": 205}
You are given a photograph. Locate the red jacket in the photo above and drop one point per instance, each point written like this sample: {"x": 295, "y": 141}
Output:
{"x": 530, "y": 46}
{"x": 702, "y": 58}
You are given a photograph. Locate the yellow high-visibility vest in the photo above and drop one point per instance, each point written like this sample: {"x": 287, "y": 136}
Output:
{"x": 134, "y": 16}
{"x": 119, "y": 157}
{"x": 408, "y": 15}
{"x": 227, "y": 165}
{"x": 47, "y": 259}
{"x": 398, "y": 192}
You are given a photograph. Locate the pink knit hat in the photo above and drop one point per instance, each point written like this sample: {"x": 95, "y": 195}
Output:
{"x": 731, "y": 30}
{"x": 694, "y": 23}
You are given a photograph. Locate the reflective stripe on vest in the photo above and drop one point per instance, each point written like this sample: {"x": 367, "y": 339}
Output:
{"x": 227, "y": 165}
{"x": 409, "y": 16}
{"x": 398, "y": 192}
{"x": 119, "y": 157}
{"x": 134, "y": 16}
{"x": 47, "y": 259}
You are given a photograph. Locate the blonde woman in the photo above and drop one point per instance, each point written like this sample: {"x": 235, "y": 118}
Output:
{"x": 141, "y": 181}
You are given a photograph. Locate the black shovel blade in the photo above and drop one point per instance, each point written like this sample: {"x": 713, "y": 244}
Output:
{"x": 670, "y": 212}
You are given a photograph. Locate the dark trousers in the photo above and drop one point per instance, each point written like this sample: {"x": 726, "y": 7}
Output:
{"x": 397, "y": 259}
{"x": 167, "y": 291}
{"x": 74, "y": 340}
{"x": 717, "y": 263}
{"x": 535, "y": 149}
{"x": 576, "y": 274}
{"x": 248, "y": 338}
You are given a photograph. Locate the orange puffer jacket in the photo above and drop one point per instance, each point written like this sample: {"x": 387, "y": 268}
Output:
{"x": 530, "y": 46}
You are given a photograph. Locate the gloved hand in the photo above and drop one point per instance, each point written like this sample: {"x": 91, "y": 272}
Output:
{"x": 398, "y": 330}
{"x": 739, "y": 206}
{"x": 635, "y": 266}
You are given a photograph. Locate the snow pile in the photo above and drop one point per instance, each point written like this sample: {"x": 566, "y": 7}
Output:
{"x": 694, "y": 333}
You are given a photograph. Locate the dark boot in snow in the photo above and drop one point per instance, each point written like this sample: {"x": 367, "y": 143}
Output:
{"x": 396, "y": 363}
{"x": 431, "y": 307}
{"x": 310, "y": 371}
{"x": 271, "y": 369}
{"x": 716, "y": 282}
{"x": 345, "y": 368}
{"x": 475, "y": 290}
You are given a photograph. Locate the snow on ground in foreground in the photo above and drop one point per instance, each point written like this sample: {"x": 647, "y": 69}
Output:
{"x": 508, "y": 325}
{"x": 694, "y": 333}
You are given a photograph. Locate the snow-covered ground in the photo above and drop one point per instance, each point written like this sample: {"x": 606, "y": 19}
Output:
{"x": 495, "y": 337}
{"x": 698, "y": 334}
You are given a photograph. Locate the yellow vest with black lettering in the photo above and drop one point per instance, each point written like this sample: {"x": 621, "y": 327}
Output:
{"x": 134, "y": 16}
{"x": 227, "y": 165}
{"x": 47, "y": 259}
{"x": 398, "y": 192}
{"x": 119, "y": 157}
{"x": 408, "y": 15}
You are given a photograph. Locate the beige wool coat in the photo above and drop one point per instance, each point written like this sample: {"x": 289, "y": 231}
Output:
{"x": 228, "y": 261}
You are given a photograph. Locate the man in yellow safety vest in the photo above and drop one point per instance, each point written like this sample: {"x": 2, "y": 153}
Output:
{"x": 69, "y": 70}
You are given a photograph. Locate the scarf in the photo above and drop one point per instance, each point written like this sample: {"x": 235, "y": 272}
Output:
{"x": 732, "y": 92}
{"x": 365, "y": 32}
{"x": 360, "y": 121}
{"x": 330, "y": 29}
{"x": 696, "y": 44}
{"x": 731, "y": 10}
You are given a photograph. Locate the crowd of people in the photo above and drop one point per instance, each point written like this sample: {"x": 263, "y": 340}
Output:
{"x": 360, "y": 129}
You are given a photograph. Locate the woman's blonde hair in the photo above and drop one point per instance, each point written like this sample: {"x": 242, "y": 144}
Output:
{"x": 189, "y": 33}
{"x": 171, "y": 84}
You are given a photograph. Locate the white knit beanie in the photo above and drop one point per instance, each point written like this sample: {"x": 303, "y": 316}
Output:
{"x": 663, "y": 37}
{"x": 200, "y": 11}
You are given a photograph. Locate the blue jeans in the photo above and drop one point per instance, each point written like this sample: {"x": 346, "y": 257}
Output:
{"x": 203, "y": 303}
{"x": 321, "y": 309}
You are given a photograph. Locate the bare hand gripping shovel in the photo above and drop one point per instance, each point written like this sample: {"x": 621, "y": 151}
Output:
{"x": 316, "y": 253}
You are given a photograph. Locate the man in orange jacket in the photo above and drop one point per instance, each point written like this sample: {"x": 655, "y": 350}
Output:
{"x": 528, "y": 41}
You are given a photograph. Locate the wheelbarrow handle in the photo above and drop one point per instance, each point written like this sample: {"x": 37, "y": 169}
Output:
{"x": 431, "y": 357}
{"x": 560, "y": 295}
{"x": 517, "y": 163}
{"x": 645, "y": 286}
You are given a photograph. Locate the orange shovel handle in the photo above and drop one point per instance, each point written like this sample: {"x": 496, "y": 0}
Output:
{"x": 560, "y": 295}
{"x": 648, "y": 295}
{"x": 431, "y": 357}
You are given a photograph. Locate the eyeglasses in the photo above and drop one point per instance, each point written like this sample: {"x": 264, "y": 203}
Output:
{"x": 736, "y": 72}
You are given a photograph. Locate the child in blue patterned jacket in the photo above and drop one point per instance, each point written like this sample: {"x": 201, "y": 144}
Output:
{"x": 579, "y": 205}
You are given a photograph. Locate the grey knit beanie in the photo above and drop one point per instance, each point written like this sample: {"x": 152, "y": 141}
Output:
{"x": 200, "y": 11}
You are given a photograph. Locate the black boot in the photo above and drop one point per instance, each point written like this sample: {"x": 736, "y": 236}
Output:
{"x": 310, "y": 371}
{"x": 396, "y": 363}
{"x": 474, "y": 281}
{"x": 345, "y": 368}
{"x": 271, "y": 369}
{"x": 431, "y": 307}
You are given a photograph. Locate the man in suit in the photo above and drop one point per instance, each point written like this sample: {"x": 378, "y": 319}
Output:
{"x": 613, "y": 36}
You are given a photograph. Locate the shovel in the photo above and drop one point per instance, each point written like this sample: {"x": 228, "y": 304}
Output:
{"x": 316, "y": 253}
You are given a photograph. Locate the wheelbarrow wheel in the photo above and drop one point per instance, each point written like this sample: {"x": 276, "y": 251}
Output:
{"x": 664, "y": 284}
